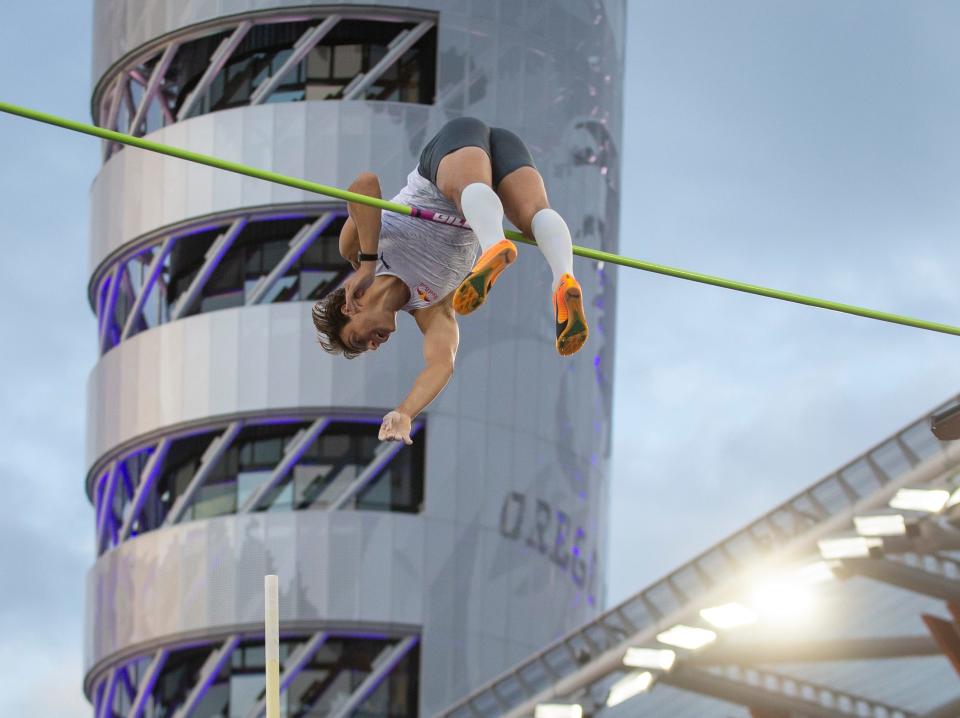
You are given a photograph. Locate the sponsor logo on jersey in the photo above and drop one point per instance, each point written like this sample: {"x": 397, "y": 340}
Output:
{"x": 425, "y": 293}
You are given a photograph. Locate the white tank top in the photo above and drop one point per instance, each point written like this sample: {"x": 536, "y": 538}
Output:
{"x": 430, "y": 258}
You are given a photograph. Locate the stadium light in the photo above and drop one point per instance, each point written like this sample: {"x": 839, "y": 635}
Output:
{"x": 629, "y": 686}
{"x": 817, "y": 572}
{"x": 848, "y": 547}
{"x": 688, "y": 637}
{"x": 788, "y": 595}
{"x": 558, "y": 710}
{"x": 729, "y": 615}
{"x": 660, "y": 659}
{"x": 782, "y": 598}
{"x": 881, "y": 525}
{"x": 930, "y": 500}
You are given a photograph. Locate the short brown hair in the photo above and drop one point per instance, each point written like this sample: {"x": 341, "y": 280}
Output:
{"x": 329, "y": 319}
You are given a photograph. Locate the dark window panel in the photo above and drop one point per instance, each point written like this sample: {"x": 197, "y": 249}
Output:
{"x": 323, "y": 471}
{"x": 352, "y": 46}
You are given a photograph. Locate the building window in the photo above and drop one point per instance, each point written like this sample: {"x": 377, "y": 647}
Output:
{"x": 323, "y": 475}
{"x": 351, "y": 48}
{"x": 333, "y": 674}
{"x": 272, "y": 60}
{"x": 260, "y": 247}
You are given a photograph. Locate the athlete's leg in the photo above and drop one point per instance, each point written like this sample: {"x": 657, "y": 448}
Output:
{"x": 457, "y": 161}
{"x": 525, "y": 203}
{"x": 524, "y": 198}
{"x": 464, "y": 177}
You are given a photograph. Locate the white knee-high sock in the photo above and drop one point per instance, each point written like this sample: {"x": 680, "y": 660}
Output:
{"x": 484, "y": 211}
{"x": 553, "y": 238}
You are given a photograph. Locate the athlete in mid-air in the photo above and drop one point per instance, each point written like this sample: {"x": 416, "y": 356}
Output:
{"x": 430, "y": 270}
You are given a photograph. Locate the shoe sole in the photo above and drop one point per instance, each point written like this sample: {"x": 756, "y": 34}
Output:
{"x": 473, "y": 290}
{"x": 573, "y": 334}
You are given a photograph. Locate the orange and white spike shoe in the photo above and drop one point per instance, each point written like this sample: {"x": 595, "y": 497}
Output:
{"x": 473, "y": 290}
{"x": 572, "y": 330}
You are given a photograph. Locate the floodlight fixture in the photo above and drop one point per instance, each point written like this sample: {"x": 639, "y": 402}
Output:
{"x": 660, "y": 659}
{"x": 729, "y": 615}
{"x": 689, "y": 637}
{"x": 881, "y": 525}
{"x": 929, "y": 500}
{"x": 848, "y": 547}
{"x": 782, "y": 598}
{"x": 629, "y": 686}
{"x": 558, "y": 710}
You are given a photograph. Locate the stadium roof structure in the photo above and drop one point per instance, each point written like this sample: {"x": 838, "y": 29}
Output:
{"x": 843, "y": 601}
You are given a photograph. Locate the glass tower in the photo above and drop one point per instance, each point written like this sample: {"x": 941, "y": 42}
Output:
{"x": 223, "y": 444}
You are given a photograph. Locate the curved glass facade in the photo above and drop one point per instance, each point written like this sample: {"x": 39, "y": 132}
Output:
{"x": 215, "y": 473}
{"x": 299, "y": 254}
{"x": 259, "y": 248}
{"x": 278, "y": 60}
{"x": 351, "y": 47}
{"x": 335, "y": 667}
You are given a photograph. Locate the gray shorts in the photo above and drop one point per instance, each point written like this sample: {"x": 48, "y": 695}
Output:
{"x": 506, "y": 151}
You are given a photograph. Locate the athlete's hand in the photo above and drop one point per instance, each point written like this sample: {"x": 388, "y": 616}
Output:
{"x": 396, "y": 427}
{"x": 358, "y": 282}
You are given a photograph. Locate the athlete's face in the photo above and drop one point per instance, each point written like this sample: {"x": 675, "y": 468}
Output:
{"x": 368, "y": 328}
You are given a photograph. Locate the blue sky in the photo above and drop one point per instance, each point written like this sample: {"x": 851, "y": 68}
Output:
{"x": 809, "y": 146}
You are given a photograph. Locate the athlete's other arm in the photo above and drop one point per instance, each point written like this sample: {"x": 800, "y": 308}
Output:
{"x": 441, "y": 337}
{"x": 361, "y": 232}
{"x": 350, "y": 242}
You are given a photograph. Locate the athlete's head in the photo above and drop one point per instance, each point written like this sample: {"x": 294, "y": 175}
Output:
{"x": 342, "y": 331}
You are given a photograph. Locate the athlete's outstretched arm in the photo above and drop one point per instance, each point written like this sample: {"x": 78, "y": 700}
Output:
{"x": 441, "y": 337}
{"x": 366, "y": 221}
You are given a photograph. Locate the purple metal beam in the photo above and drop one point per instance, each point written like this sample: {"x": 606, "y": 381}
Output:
{"x": 110, "y": 121}
{"x": 150, "y": 473}
{"x": 215, "y": 451}
{"x": 292, "y": 668}
{"x": 106, "y": 311}
{"x": 384, "y": 456}
{"x": 106, "y": 702}
{"x": 98, "y": 502}
{"x": 106, "y": 514}
{"x": 153, "y": 273}
{"x": 215, "y": 254}
{"x": 128, "y": 686}
{"x": 217, "y": 61}
{"x": 208, "y": 674}
{"x": 295, "y": 450}
{"x": 125, "y": 475}
{"x": 153, "y": 86}
{"x": 147, "y": 683}
{"x": 298, "y": 245}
